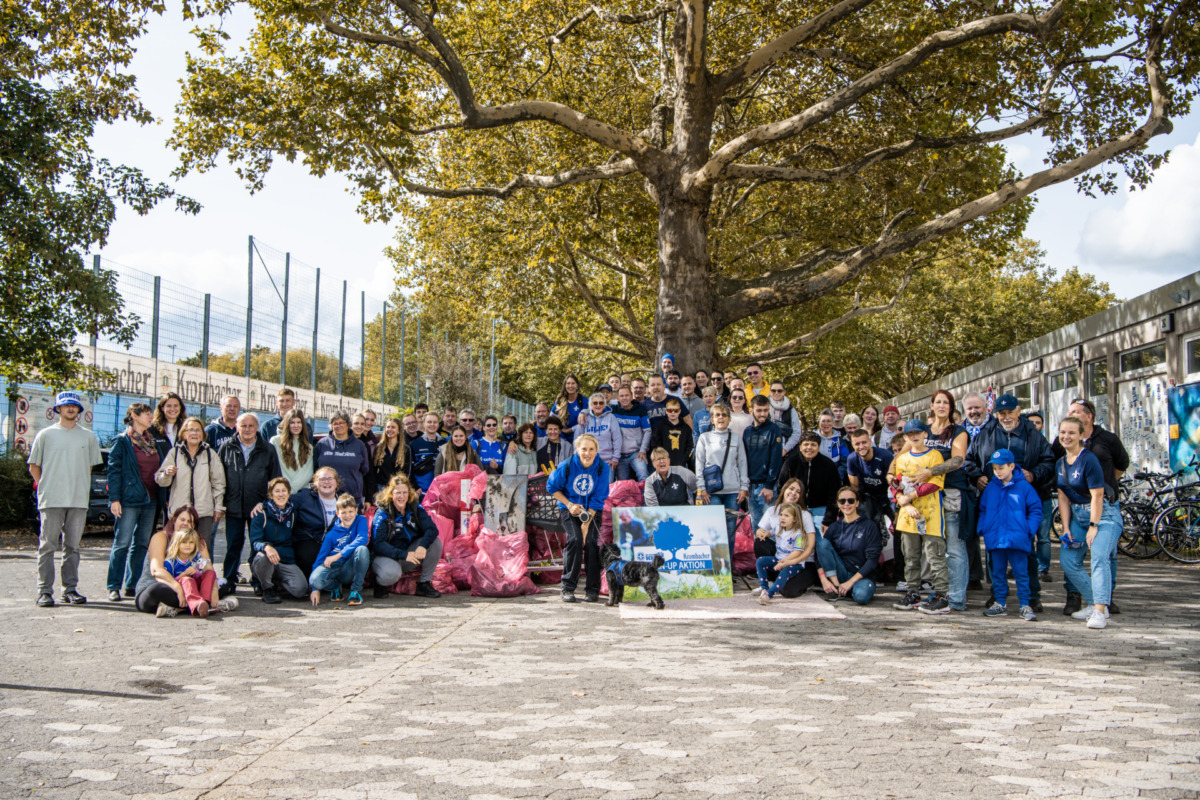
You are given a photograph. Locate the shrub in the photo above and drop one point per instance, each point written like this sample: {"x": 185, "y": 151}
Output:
{"x": 16, "y": 487}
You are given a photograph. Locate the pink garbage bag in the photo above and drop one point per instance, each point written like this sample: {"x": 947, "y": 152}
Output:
{"x": 445, "y": 493}
{"x": 500, "y": 565}
{"x": 744, "y": 561}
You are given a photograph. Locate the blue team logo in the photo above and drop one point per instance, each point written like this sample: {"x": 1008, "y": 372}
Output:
{"x": 583, "y": 484}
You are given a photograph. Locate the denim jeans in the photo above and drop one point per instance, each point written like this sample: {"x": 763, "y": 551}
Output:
{"x": 131, "y": 537}
{"x": 758, "y": 506}
{"x": 957, "y": 563}
{"x": 763, "y": 567}
{"x": 818, "y": 514}
{"x": 863, "y": 589}
{"x": 1042, "y": 549}
{"x": 1097, "y": 587}
{"x": 730, "y": 502}
{"x": 1112, "y": 561}
{"x": 352, "y": 570}
{"x": 630, "y": 467}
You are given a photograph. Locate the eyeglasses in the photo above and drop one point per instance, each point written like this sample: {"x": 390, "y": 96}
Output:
{"x": 467, "y": 419}
{"x": 846, "y": 501}
{"x": 489, "y": 424}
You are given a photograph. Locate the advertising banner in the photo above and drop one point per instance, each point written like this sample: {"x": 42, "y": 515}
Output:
{"x": 693, "y": 541}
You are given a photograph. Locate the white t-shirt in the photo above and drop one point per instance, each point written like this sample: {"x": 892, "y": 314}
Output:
{"x": 785, "y": 542}
{"x": 66, "y": 456}
{"x": 330, "y": 507}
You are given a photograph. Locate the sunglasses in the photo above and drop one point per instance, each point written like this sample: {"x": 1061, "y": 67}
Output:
{"x": 467, "y": 419}
{"x": 489, "y": 424}
{"x": 777, "y": 391}
{"x": 846, "y": 501}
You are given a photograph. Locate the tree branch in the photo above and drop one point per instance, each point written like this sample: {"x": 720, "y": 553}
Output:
{"x": 583, "y": 345}
{"x": 755, "y": 138}
{"x": 594, "y": 302}
{"x": 605, "y": 15}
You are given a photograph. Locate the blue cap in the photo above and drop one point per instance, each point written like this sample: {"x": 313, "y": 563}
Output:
{"x": 915, "y": 426}
{"x": 668, "y": 355}
{"x": 68, "y": 399}
{"x": 1007, "y": 402}
{"x": 1002, "y": 456}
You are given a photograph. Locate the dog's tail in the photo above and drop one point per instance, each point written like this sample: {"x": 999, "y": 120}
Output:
{"x": 658, "y": 561}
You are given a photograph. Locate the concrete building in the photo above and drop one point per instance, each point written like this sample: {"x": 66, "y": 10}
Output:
{"x": 1126, "y": 360}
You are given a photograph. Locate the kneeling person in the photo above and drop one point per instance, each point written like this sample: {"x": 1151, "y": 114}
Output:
{"x": 403, "y": 538}
{"x": 344, "y": 556}
{"x": 274, "y": 559}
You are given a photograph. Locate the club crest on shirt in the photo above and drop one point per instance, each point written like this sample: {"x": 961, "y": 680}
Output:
{"x": 583, "y": 484}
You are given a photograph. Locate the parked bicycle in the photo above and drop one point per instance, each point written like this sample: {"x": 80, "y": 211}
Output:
{"x": 1141, "y": 509}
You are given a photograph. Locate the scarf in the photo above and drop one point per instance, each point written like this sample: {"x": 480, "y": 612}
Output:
{"x": 779, "y": 408}
{"x": 458, "y": 449}
{"x": 974, "y": 430}
{"x": 143, "y": 441}
{"x": 281, "y": 515}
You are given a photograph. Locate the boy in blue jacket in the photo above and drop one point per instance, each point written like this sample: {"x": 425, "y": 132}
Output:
{"x": 1010, "y": 513}
{"x": 344, "y": 556}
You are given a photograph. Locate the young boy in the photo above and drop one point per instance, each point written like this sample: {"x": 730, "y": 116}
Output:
{"x": 674, "y": 436}
{"x": 919, "y": 521}
{"x": 344, "y": 555}
{"x": 1010, "y": 514}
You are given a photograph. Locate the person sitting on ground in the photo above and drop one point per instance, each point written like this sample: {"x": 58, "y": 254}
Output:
{"x": 674, "y": 436}
{"x": 522, "y": 459}
{"x": 158, "y": 592}
{"x": 668, "y": 485}
{"x": 849, "y": 552}
{"x": 274, "y": 559}
{"x": 764, "y": 539}
{"x": 403, "y": 538}
{"x": 794, "y": 544}
{"x": 1010, "y": 513}
{"x": 456, "y": 453}
{"x": 193, "y": 573}
{"x": 316, "y": 511}
{"x": 344, "y": 557}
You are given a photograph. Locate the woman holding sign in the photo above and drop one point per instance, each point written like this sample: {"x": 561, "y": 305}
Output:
{"x": 581, "y": 486}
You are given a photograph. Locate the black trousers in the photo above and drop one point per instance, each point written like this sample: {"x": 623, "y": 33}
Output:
{"x": 800, "y": 583}
{"x": 576, "y": 554}
{"x": 148, "y": 599}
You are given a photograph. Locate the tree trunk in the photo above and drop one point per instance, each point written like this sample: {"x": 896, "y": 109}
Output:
{"x": 684, "y": 325}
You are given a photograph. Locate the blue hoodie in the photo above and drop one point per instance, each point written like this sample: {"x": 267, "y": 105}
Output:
{"x": 1009, "y": 514}
{"x": 587, "y": 486}
{"x": 341, "y": 541}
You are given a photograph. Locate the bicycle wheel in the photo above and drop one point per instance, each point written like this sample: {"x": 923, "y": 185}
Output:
{"x": 1137, "y": 534}
{"x": 1177, "y": 529}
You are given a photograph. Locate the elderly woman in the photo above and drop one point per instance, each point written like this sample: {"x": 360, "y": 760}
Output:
{"x": 158, "y": 592}
{"x": 580, "y": 485}
{"x": 196, "y": 478}
{"x": 347, "y": 455}
{"x": 316, "y": 511}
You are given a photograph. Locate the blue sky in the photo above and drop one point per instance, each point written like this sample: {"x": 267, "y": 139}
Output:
{"x": 1135, "y": 240}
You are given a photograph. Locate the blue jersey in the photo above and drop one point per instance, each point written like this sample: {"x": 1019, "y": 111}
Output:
{"x": 492, "y": 455}
{"x": 1077, "y": 480}
{"x": 424, "y": 459}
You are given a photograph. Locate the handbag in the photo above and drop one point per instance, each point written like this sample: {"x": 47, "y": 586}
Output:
{"x": 714, "y": 476}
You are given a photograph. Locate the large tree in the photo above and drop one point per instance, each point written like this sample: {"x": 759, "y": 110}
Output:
{"x": 759, "y": 166}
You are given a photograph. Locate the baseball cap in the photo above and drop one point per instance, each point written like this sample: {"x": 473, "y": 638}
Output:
{"x": 1007, "y": 402}
{"x": 68, "y": 399}
{"x": 1002, "y": 456}
{"x": 889, "y": 409}
{"x": 915, "y": 426}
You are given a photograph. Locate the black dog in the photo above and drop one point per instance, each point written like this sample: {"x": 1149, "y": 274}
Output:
{"x": 630, "y": 573}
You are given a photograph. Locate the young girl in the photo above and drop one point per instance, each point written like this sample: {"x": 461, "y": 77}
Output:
{"x": 194, "y": 573}
{"x": 793, "y": 547}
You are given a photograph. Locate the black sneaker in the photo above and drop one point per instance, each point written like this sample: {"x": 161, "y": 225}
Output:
{"x": 226, "y": 590}
{"x": 271, "y": 596}
{"x": 130, "y": 592}
{"x": 73, "y": 597}
{"x": 910, "y": 601}
{"x": 1074, "y": 603}
{"x": 591, "y": 597}
{"x": 568, "y": 597}
{"x": 45, "y": 600}
{"x": 382, "y": 591}
{"x": 425, "y": 589}
{"x": 1112, "y": 608}
{"x": 935, "y": 604}
{"x": 1036, "y": 605}
{"x": 1044, "y": 576}
{"x": 975, "y": 586}
{"x": 831, "y": 597}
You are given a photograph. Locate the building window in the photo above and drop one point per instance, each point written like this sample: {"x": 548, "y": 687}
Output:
{"x": 1024, "y": 394}
{"x": 1144, "y": 358}
{"x": 1193, "y": 357}
{"x": 1068, "y": 380}
{"x": 1097, "y": 385}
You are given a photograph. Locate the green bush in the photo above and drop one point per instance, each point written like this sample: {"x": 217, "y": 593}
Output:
{"x": 16, "y": 487}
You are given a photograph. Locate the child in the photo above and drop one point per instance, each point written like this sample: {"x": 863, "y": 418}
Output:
{"x": 344, "y": 556}
{"x": 919, "y": 521}
{"x": 898, "y": 445}
{"x": 793, "y": 547}
{"x": 674, "y": 436}
{"x": 1010, "y": 513}
{"x": 194, "y": 574}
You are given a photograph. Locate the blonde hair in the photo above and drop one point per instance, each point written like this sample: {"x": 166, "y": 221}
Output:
{"x": 199, "y": 424}
{"x": 384, "y": 498}
{"x": 346, "y": 501}
{"x": 179, "y": 537}
{"x": 658, "y": 453}
{"x": 797, "y": 515}
{"x": 586, "y": 437}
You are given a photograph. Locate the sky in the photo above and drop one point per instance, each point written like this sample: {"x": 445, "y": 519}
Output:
{"x": 1135, "y": 240}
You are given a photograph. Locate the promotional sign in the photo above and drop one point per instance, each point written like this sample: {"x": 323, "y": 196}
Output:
{"x": 35, "y": 411}
{"x": 693, "y": 541}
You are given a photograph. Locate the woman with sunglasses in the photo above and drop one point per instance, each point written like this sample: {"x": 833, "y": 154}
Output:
{"x": 739, "y": 415}
{"x": 849, "y": 552}
{"x": 492, "y": 448}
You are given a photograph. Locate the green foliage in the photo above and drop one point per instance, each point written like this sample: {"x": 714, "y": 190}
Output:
{"x": 61, "y": 75}
{"x": 264, "y": 366}
{"x": 16, "y": 486}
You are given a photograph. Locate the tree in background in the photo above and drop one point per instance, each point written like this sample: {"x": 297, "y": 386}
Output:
{"x": 721, "y": 180}
{"x": 264, "y": 366}
{"x": 61, "y": 74}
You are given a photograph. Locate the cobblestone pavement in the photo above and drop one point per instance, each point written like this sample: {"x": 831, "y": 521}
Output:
{"x": 465, "y": 697}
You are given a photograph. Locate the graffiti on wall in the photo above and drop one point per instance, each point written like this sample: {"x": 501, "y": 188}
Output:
{"x": 1144, "y": 422}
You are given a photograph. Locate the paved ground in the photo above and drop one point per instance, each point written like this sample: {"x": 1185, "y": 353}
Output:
{"x": 472, "y": 698}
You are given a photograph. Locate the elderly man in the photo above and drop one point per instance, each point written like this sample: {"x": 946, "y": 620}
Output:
{"x": 250, "y": 464}
{"x": 1114, "y": 460}
{"x": 1008, "y": 430}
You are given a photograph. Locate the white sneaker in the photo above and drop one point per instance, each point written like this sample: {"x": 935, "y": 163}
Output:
{"x": 228, "y": 604}
{"x": 1097, "y": 621}
{"x": 1086, "y": 613}
{"x": 764, "y": 598}
{"x": 756, "y": 591}
{"x": 902, "y": 587}
{"x": 165, "y": 610}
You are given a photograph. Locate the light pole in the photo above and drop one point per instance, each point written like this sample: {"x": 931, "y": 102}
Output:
{"x": 428, "y": 387}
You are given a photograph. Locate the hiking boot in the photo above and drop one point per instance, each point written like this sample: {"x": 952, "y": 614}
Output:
{"x": 1027, "y": 614}
{"x": 935, "y": 604}
{"x": 995, "y": 610}
{"x": 910, "y": 601}
{"x": 425, "y": 589}
{"x": 73, "y": 597}
{"x": 45, "y": 600}
{"x": 1036, "y": 605}
{"x": 1074, "y": 603}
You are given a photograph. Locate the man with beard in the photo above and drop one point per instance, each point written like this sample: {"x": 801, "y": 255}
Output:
{"x": 891, "y": 427}
{"x": 975, "y": 413}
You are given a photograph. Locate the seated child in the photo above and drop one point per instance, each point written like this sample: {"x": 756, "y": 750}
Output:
{"x": 794, "y": 544}
{"x": 193, "y": 573}
{"x": 344, "y": 556}
{"x": 1010, "y": 513}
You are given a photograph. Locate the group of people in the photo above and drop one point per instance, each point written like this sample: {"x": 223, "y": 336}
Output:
{"x": 323, "y": 512}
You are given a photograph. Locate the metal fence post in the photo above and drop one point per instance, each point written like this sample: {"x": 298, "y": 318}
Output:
{"x": 492, "y": 369}
{"x": 207, "y": 320}
{"x": 316, "y": 320}
{"x": 419, "y": 359}
{"x": 342, "y": 341}
{"x": 382, "y": 352}
{"x": 92, "y": 338}
{"x": 249, "y": 301}
{"x": 362, "y": 350}
{"x": 155, "y": 316}
{"x": 287, "y": 274}
{"x": 401, "y": 403}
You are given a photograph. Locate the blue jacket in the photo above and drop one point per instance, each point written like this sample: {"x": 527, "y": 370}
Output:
{"x": 349, "y": 458}
{"x": 310, "y": 516}
{"x": 1009, "y": 514}
{"x": 586, "y": 486}
{"x": 125, "y": 484}
{"x": 1028, "y": 446}
{"x": 764, "y": 452}
{"x": 858, "y": 544}
{"x": 268, "y": 528}
{"x": 392, "y": 533}
{"x": 342, "y": 541}
{"x": 218, "y": 433}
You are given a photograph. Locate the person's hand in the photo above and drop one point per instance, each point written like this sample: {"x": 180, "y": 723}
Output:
{"x": 187, "y": 572}
{"x": 574, "y": 509}
{"x": 742, "y": 495}
{"x": 1028, "y": 475}
{"x": 982, "y": 483}
{"x": 828, "y": 586}
{"x": 171, "y": 470}
{"x": 582, "y": 418}
{"x": 1091, "y": 536}
{"x": 417, "y": 556}
{"x": 902, "y": 500}
{"x": 923, "y": 476}
{"x": 512, "y": 447}
{"x": 844, "y": 589}
{"x": 256, "y": 510}
{"x": 641, "y": 457}
{"x": 315, "y": 597}
{"x": 768, "y": 495}
{"x": 330, "y": 561}
{"x": 613, "y": 464}
{"x": 761, "y": 534}
{"x": 702, "y": 496}
{"x": 218, "y": 516}
{"x": 115, "y": 508}
{"x": 272, "y": 554}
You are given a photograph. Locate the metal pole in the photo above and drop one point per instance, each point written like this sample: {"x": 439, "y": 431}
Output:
{"x": 312, "y": 370}
{"x": 402, "y": 310}
{"x": 362, "y": 350}
{"x": 287, "y": 275}
{"x": 204, "y": 342}
{"x": 155, "y": 318}
{"x": 249, "y": 300}
{"x": 492, "y": 370}
{"x": 419, "y": 361}
{"x": 383, "y": 352}
{"x": 342, "y": 342}
{"x": 92, "y": 338}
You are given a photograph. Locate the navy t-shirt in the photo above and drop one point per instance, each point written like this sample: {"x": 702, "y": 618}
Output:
{"x": 871, "y": 474}
{"x": 1077, "y": 480}
{"x": 656, "y": 412}
{"x": 958, "y": 478}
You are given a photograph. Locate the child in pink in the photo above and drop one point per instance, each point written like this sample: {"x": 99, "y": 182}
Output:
{"x": 194, "y": 574}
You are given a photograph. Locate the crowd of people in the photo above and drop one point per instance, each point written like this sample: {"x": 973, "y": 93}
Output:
{"x": 856, "y": 501}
